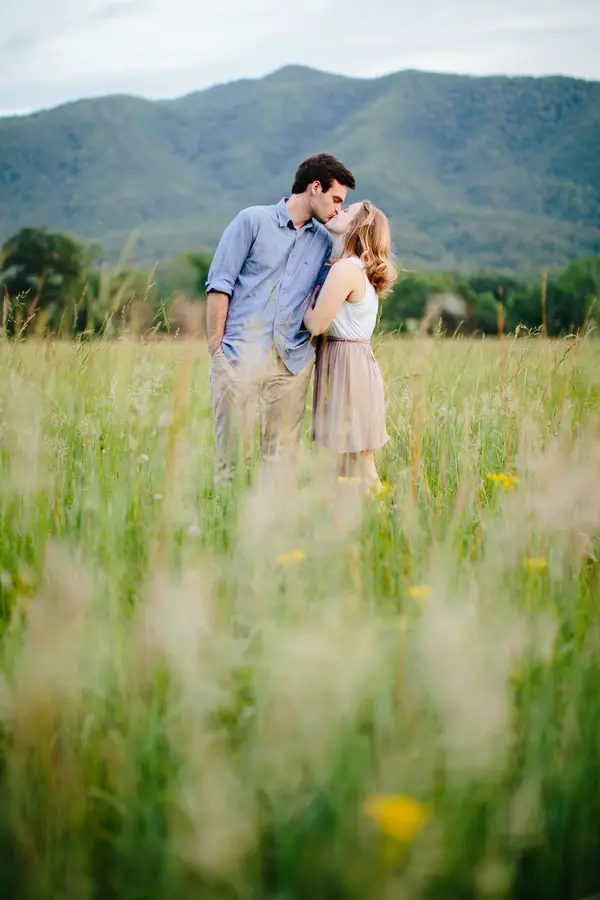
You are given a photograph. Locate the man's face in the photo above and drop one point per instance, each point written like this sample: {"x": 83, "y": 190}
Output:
{"x": 324, "y": 206}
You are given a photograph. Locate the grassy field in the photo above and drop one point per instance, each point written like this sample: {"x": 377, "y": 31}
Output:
{"x": 283, "y": 690}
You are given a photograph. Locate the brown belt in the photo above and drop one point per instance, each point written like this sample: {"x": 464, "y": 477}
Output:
{"x": 327, "y": 337}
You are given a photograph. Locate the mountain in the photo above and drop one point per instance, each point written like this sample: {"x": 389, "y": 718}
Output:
{"x": 474, "y": 172}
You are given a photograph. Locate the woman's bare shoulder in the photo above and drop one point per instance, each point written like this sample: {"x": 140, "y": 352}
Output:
{"x": 347, "y": 268}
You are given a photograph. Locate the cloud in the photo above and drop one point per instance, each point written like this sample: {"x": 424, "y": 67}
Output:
{"x": 115, "y": 8}
{"x": 59, "y": 51}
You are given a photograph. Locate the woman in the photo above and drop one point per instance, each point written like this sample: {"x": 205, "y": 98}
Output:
{"x": 348, "y": 404}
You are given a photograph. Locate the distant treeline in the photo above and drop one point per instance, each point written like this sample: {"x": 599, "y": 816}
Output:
{"x": 557, "y": 303}
{"x": 52, "y": 284}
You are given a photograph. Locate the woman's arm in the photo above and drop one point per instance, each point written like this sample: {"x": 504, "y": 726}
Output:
{"x": 339, "y": 284}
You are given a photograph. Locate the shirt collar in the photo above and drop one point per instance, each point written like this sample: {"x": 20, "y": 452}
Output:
{"x": 285, "y": 220}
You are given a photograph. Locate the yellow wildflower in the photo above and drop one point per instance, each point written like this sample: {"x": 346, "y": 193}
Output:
{"x": 537, "y": 563}
{"x": 506, "y": 482}
{"x": 509, "y": 482}
{"x": 382, "y": 490}
{"x": 399, "y": 817}
{"x": 25, "y": 579}
{"x": 288, "y": 559}
{"x": 419, "y": 591}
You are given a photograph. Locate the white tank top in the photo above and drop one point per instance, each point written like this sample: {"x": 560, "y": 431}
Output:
{"x": 356, "y": 321}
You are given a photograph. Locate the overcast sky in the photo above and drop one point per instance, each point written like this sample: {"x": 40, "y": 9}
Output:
{"x": 52, "y": 51}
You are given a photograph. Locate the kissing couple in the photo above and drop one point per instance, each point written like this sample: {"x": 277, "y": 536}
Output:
{"x": 281, "y": 276}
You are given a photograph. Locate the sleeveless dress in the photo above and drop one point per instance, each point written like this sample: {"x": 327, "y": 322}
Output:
{"x": 348, "y": 401}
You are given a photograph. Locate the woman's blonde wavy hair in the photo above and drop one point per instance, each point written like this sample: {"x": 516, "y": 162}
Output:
{"x": 369, "y": 239}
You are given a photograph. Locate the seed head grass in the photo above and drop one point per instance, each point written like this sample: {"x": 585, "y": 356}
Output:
{"x": 245, "y": 690}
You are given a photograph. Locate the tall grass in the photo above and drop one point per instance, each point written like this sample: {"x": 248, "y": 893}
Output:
{"x": 201, "y": 689}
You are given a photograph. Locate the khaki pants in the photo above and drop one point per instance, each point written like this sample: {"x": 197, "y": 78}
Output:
{"x": 240, "y": 397}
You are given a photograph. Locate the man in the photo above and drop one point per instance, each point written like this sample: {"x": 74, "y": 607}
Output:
{"x": 264, "y": 269}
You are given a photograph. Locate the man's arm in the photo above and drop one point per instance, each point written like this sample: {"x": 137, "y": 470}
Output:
{"x": 217, "y": 305}
{"x": 226, "y": 266}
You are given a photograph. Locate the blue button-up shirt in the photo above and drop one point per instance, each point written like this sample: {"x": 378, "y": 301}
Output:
{"x": 268, "y": 268}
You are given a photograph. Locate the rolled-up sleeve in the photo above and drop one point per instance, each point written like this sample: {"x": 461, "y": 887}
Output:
{"x": 231, "y": 253}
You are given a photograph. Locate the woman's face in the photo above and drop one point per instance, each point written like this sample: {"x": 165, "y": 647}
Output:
{"x": 341, "y": 223}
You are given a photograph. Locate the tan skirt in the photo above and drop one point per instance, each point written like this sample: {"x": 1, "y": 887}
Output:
{"x": 348, "y": 401}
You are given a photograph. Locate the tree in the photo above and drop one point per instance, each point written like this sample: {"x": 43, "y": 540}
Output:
{"x": 500, "y": 285}
{"x": 525, "y": 308}
{"x": 579, "y": 286}
{"x": 43, "y": 268}
{"x": 178, "y": 275}
{"x": 485, "y": 313}
{"x": 201, "y": 262}
{"x": 409, "y": 297}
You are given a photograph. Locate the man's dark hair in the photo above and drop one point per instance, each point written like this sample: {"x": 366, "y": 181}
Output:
{"x": 324, "y": 168}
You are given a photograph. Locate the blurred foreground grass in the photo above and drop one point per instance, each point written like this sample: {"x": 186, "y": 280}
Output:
{"x": 219, "y": 695}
